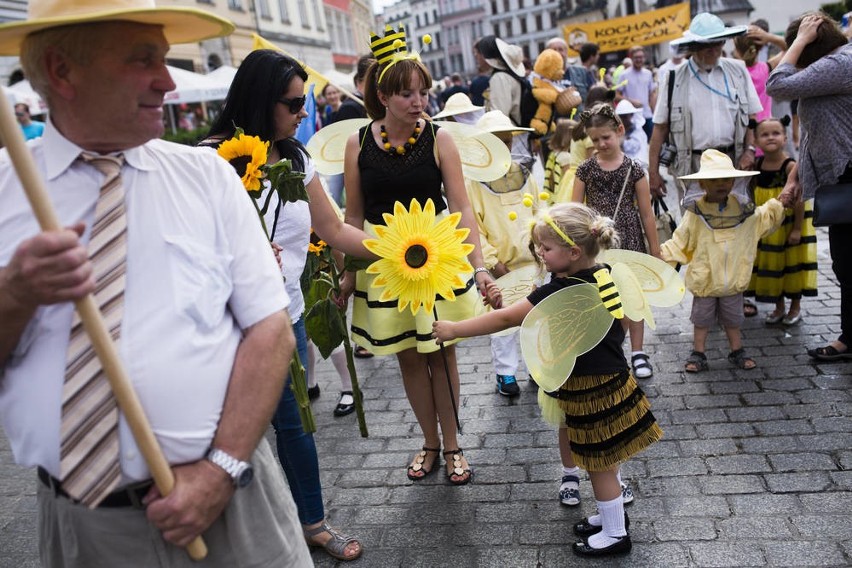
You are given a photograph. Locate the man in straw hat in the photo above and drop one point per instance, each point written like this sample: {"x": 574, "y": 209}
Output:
{"x": 187, "y": 286}
{"x": 711, "y": 104}
{"x": 717, "y": 240}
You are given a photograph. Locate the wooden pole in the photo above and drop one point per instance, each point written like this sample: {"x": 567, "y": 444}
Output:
{"x": 13, "y": 137}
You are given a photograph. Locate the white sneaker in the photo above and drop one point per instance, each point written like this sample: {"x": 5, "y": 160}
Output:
{"x": 626, "y": 494}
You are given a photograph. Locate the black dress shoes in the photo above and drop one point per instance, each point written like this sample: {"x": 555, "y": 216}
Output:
{"x": 621, "y": 546}
{"x": 585, "y": 529}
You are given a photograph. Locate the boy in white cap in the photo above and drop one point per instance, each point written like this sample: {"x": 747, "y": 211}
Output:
{"x": 717, "y": 240}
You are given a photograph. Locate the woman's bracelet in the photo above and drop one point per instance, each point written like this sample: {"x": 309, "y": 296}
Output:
{"x": 479, "y": 269}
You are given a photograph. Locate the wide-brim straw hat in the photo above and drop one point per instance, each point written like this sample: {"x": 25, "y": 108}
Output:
{"x": 511, "y": 58}
{"x": 180, "y": 24}
{"x": 483, "y": 156}
{"x": 495, "y": 121}
{"x": 717, "y": 165}
{"x": 707, "y": 28}
{"x": 458, "y": 103}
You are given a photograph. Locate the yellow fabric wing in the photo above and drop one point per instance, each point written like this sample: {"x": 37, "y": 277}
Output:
{"x": 636, "y": 306}
{"x": 662, "y": 285}
{"x": 559, "y": 329}
{"x": 328, "y": 146}
{"x": 515, "y": 285}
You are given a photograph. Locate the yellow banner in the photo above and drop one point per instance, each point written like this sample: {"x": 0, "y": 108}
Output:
{"x": 618, "y": 34}
{"x": 314, "y": 76}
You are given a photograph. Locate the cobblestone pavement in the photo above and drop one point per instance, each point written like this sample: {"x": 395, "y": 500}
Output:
{"x": 755, "y": 468}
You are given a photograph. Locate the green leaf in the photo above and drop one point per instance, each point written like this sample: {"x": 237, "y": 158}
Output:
{"x": 317, "y": 292}
{"x": 288, "y": 183}
{"x": 323, "y": 325}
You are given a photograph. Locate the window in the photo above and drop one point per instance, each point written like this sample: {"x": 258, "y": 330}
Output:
{"x": 417, "y": 21}
{"x": 493, "y": 6}
{"x": 496, "y": 29}
{"x": 540, "y": 46}
{"x": 538, "y": 25}
{"x": 235, "y": 4}
{"x": 509, "y": 32}
{"x": 263, "y": 8}
{"x": 523, "y": 25}
{"x": 285, "y": 12}
{"x": 317, "y": 15}
{"x": 437, "y": 43}
{"x": 303, "y": 13}
{"x": 506, "y": 6}
{"x": 520, "y": 4}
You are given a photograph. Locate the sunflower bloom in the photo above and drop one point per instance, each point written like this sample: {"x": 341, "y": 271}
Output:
{"x": 317, "y": 248}
{"x": 421, "y": 256}
{"x": 248, "y": 155}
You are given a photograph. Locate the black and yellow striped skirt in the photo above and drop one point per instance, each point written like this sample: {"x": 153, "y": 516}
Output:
{"x": 608, "y": 418}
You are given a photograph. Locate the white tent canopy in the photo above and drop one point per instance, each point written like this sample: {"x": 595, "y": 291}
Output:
{"x": 194, "y": 88}
{"x": 22, "y": 92}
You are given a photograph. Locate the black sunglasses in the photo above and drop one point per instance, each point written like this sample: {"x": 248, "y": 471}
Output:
{"x": 294, "y": 105}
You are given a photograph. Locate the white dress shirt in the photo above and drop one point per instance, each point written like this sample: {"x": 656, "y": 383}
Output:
{"x": 199, "y": 270}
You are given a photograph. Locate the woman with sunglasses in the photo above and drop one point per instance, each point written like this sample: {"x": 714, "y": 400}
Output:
{"x": 400, "y": 156}
{"x": 267, "y": 100}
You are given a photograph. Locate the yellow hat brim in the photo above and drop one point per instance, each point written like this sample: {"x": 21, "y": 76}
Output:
{"x": 484, "y": 157}
{"x": 180, "y": 25}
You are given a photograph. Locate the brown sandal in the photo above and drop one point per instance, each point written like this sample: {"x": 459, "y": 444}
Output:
{"x": 741, "y": 360}
{"x": 417, "y": 465}
{"x": 465, "y": 473}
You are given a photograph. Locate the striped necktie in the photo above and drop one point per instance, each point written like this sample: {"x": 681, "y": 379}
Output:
{"x": 89, "y": 453}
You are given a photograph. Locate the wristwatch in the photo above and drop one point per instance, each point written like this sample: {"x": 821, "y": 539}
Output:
{"x": 750, "y": 148}
{"x": 241, "y": 472}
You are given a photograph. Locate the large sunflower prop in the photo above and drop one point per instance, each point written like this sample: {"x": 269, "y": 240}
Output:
{"x": 248, "y": 156}
{"x": 421, "y": 256}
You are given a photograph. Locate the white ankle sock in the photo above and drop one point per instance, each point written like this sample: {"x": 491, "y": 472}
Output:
{"x": 571, "y": 471}
{"x": 612, "y": 519}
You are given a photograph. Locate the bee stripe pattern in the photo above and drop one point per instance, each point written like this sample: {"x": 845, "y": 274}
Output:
{"x": 609, "y": 293}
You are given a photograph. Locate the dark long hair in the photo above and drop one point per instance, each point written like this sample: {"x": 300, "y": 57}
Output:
{"x": 829, "y": 37}
{"x": 261, "y": 80}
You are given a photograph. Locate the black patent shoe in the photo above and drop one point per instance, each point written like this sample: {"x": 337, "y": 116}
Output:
{"x": 585, "y": 529}
{"x": 621, "y": 546}
{"x": 313, "y": 392}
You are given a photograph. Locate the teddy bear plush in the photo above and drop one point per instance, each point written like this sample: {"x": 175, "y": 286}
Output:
{"x": 548, "y": 72}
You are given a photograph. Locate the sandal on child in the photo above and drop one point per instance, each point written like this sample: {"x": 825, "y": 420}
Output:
{"x": 641, "y": 366}
{"x": 741, "y": 360}
{"x": 336, "y": 545}
{"x": 417, "y": 465}
{"x": 749, "y": 309}
{"x": 696, "y": 362}
{"x": 458, "y": 475}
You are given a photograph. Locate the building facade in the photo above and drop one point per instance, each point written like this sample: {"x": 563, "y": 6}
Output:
{"x": 462, "y": 23}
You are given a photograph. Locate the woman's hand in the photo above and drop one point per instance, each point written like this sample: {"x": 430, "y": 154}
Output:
{"x": 276, "y": 250}
{"x": 347, "y": 286}
{"x": 792, "y": 192}
{"x": 443, "y": 331}
{"x": 482, "y": 279}
{"x": 808, "y": 30}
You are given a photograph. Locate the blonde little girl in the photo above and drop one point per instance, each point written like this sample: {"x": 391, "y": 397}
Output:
{"x": 604, "y": 413}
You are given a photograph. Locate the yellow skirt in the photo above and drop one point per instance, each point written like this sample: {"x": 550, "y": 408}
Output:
{"x": 382, "y": 329}
{"x": 782, "y": 270}
{"x": 608, "y": 418}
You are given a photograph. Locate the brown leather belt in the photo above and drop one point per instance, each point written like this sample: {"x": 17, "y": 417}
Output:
{"x": 130, "y": 496}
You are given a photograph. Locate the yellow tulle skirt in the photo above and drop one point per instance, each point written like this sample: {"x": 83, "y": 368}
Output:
{"x": 608, "y": 418}
{"x": 565, "y": 189}
{"x": 783, "y": 270}
{"x": 382, "y": 329}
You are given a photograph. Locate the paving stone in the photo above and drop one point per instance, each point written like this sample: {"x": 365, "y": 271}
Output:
{"x": 731, "y": 484}
{"x": 738, "y": 464}
{"x": 726, "y": 554}
{"x": 802, "y": 461}
{"x": 713, "y": 447}
{"x": 685, "y": 529}
{"x": 796, "y": 482}
{"x": 746, "y": 528}
{"x": 770, "y": 444}
{"x": 813, "y": 553}
{"x": 760, "y": 505}
{"x": 703, "y": 505}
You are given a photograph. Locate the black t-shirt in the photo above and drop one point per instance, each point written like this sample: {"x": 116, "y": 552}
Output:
{"x": 349, "y": 109}
{"x": 606, "y": 357}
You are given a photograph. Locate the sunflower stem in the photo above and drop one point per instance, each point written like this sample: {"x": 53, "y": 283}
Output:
{"x": 260, "y": 216}
{"x": 350, "y": 360}
{"x": 300, "y": 391}
{"x": 447, "y": 372}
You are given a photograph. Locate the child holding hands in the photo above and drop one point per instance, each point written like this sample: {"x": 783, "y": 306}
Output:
{"x": 786, "y": 263}
{"x": 605, "y": 414}
{"x": 717, "y": 239}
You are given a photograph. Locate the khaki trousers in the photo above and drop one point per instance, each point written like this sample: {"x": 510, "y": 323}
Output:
{"x": 258, "y": 528}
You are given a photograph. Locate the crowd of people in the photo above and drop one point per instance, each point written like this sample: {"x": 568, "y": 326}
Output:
{"x": 224, "y": 319}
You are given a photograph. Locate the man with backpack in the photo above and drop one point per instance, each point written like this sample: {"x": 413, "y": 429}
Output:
{"x": 509, "y": 91}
